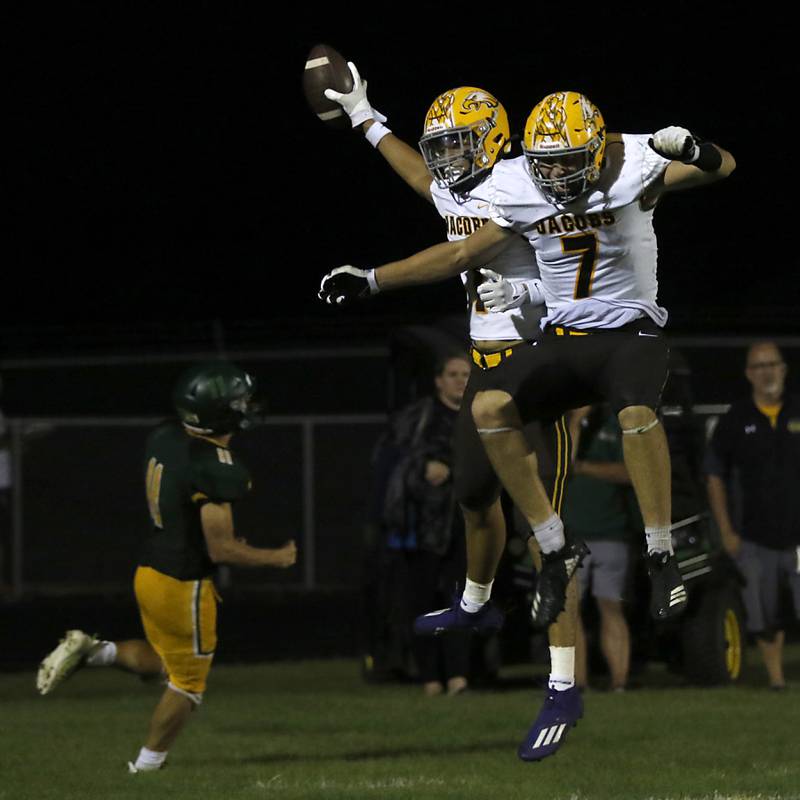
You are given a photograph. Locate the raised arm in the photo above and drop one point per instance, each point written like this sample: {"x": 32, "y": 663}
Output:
{"x": 693, "y": 164}
{"x": 441, "y": 261}
{"x": 402, "y": 158}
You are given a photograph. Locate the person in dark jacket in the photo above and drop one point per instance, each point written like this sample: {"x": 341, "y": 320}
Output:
{"x": 422, "y": 530}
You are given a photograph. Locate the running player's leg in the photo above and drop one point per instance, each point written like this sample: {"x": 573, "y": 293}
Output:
{"x": 131, "y": 655}
{"x": 179, "y": 619}
{"x": 78, "y": 649}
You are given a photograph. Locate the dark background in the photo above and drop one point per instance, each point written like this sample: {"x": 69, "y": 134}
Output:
{"x": 169, "y": 192}
{"x": 165, "y": 169}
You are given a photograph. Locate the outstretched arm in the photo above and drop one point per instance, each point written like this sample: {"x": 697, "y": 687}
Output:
{"x": 441, "y": 261}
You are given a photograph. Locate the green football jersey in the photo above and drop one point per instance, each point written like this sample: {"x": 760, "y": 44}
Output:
{"x": 182, "y": 472}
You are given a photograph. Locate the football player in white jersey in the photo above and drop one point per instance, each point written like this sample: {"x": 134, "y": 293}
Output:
{"x": 584, "y": 200}
{"x": 465, "y": 134}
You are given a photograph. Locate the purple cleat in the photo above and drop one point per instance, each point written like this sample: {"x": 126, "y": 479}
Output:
{"x": 560, "y": 712}
{"x": 488, "y": 620}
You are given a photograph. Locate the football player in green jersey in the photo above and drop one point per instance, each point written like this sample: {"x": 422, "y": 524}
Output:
{"x": 192, "y": 478}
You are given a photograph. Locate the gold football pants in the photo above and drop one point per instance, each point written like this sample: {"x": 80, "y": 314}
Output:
{"x": 180, "y": 622}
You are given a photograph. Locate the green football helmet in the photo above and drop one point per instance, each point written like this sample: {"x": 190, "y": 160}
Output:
{"x": 215, "y": 398}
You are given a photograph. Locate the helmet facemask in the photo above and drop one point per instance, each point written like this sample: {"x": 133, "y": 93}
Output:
{"x": 455, "y": 157}
{"x": 575, "y": 170}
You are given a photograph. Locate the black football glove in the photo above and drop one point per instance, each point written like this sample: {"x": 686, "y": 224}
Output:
{"x": 345, "y": 285}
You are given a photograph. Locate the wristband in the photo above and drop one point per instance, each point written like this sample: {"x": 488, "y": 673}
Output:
{"x": 706, "y": 157}
{"x": 371, "y": 280}
{"x": 376, "y": 132}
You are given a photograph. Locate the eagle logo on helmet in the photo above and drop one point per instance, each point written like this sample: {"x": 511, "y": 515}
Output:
{"x": 474, "y": 100}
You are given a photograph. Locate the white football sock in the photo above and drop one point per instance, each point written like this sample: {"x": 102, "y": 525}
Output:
{"x": 562, "y": 668}
{"x": 550, "y": 534}
{"x": 659, "y": 540}
{"x": 149, "y": 760}
{"x": 104, "y": 655}
{"x": 475, "y": 595}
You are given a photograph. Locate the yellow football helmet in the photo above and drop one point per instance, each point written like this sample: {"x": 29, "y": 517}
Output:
{"x": 564, "y": 143}
{"x": 466, "y": 130}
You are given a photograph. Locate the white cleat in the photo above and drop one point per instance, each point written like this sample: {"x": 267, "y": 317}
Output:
{"x": 134, "y": 770}
{"x": 69, "y": 656}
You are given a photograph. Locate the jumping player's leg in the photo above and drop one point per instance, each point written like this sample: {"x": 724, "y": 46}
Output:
{"x": 647, "y": 458}
{"x": 485, "y": 530}
{"x": 515, "y": 462}
{"x": 512, "y": 458}
{"x": 633, "y": 377}
{"x": 477, "y": 491}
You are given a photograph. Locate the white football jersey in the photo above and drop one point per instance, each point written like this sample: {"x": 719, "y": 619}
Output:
{"x": 517, "y": 262}
{"x": 597, "y": 255}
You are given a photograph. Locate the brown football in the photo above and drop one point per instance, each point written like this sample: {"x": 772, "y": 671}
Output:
{"x": 327, "y": 69}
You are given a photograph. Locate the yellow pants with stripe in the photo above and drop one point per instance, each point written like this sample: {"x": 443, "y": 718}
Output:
{"x": 180, "y": 623}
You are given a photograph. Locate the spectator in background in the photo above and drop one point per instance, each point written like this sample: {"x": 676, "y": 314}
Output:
{"x": 598, "y": 510}
{"x": 753, "y": 480}
{"x": 421, "y": 527}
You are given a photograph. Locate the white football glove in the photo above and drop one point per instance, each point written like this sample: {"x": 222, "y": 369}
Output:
{"x": 355, "y": 102}
{"x": 676, "y": 143}
{"x": 500, "y": 294}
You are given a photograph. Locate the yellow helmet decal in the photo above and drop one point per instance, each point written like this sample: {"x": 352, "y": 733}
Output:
{"x": 550, "y": 123}
{"x": 440, "y": 114}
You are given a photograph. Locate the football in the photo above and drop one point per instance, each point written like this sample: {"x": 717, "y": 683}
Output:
{"x": 327, "y": 69}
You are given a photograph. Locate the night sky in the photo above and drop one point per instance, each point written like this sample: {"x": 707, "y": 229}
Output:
{"x": 165, "y": 165}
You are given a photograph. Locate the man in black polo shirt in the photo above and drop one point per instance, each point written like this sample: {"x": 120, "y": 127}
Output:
{"x": 753, "y": 469}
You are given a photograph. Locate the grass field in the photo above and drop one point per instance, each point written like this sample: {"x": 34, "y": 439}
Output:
{"x": 314, "y": 730}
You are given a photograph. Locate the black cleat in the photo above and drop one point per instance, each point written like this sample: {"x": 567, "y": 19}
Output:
{"x": 668, "y": 596}
{"x": 551, "y": 584}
